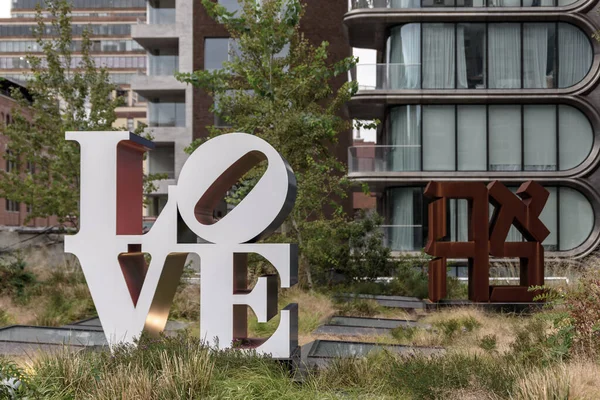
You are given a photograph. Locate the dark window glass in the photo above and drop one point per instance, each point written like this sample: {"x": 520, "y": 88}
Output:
{"x": 216, "y": 52}
{"x": 437, "y": 3}
{"x": 471, "y": 52}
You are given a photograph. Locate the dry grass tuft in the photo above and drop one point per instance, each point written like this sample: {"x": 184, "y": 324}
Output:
{"x": 126, "y": 382}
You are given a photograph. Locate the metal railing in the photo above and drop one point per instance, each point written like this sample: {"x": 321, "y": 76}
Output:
{"x": 399, "y": 4}
{"x": 161, "y": 16}
{"x": 387, "y": 76}
{"x": 375, "y": 158}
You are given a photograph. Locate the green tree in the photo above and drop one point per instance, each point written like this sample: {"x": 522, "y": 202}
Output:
{"x": 277, "y": 86}
{"x": 65, "y": 96}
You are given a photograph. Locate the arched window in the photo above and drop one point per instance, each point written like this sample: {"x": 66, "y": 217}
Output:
{"x": 507, "y": 137}
{"x": 531, "y": 55}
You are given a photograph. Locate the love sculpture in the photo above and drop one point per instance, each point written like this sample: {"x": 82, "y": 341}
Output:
{"x": 133, "y": 296}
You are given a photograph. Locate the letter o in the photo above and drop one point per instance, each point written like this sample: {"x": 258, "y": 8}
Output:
{"x": 214, "y": 167}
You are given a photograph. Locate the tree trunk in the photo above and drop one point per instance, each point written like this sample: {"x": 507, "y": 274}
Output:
{"x": 303, "y": 260}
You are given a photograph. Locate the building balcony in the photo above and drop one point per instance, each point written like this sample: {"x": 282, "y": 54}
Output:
{"x": 153, "y": 36}
{"x": 156, "y": 85}
{"x": 368, "y": 160}
{"x": 369, "y": 27}
{"x": 460, "y": 4}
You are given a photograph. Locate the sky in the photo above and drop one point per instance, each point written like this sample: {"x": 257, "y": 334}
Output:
{"x": 5, "y": 8}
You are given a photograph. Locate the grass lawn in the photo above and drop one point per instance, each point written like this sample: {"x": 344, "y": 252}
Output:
{"x": 549, "y": 355}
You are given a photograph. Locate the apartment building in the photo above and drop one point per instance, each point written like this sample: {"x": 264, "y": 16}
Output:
{"x": 12, "y": 214}
{"x": 110, "y": 23}
{"x": 481, "y": 90}
{"x": 178, "y": 35}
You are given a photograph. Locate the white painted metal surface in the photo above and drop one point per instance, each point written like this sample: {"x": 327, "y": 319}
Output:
{"x": 98, "y": 246}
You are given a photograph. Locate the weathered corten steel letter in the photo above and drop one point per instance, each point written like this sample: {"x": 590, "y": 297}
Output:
{"x": 524, "y": 214}
{"x": 485, "y": 239}
{"x": 475, "y": 250}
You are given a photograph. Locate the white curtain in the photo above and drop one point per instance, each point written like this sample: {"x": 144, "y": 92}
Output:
{"x": 405, "y": 3}
{"x": 405, "y": 126}
{"x": 404, "y": 63}
{"x": 438, "y": 56}
{"x": 505, "y": 137}
{"x": 405, "y": 219}
{"x": 471, "y": 136}
{"x": 461, "y": 62}
{"x": 575, "y": 55}
{"x": 575, "y": 137}
{"x": 540, "y": 137}
{"x": 505, "y": 56}
{"x": 438, "y": 138}
{"x": 459, "y": 220}
{"x": 535, "y": 55}
{"x": 576, "y": 218}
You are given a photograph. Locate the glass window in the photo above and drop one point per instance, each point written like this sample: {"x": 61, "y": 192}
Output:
{"x": 505, "y": 137}
{"x": 12, "y": 206}
{"x": 471, "y": 136}
{"x": 161, "y": 160}
{"x": 404, "y": 58}
{"x": 575, "y": 55}
{"x": 216, "y": 52}
{"x": 505, "y": 56}
{"x": 157, "y": 203}
{"x": 576, "y": 218}
{"x": 230, "y": 5}
{"x": 540, "y": 138}
{"x": 439, "y": 138}
{"x": 437, "y": 3}
{"x": 538, "y": 3}
{"x": 162, "y": 12}
{"x": 405, "y": 210}
{"x": 438, "y": 56}
{"x": 404, "y": 153}
{"x": 471, "y": 42}
{"x": 539, "y": 42}
{"x": 576, "y": 137}
{"x": 163, "y": 61}
{"x": 504, "y": 3}
{"x": 542, "y": 149}
{"x": 168, "y": 111}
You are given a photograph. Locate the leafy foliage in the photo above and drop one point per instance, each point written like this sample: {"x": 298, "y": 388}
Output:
{"x": 277, "y": 86}
{"x": 13, "y": 380}
{"x": 14, "y": 278}
{"x": 64, "y": 97}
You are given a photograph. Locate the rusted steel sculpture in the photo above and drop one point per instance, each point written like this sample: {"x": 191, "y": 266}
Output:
{"x": 487, "y": 238}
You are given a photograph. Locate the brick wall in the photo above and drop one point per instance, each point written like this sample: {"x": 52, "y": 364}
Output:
{"x": 14, "y": 218}
{"x": 322, "y": 22}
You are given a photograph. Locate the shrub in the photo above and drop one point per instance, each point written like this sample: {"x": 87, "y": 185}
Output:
{"x": 14, "y": 383}
{"x": 15, "y": 280}
{"x": 450, "y": 328}
{"x": 186, "y": 303}
{"x": 359, "y": 308}
{"x": 489, "y": 343}
{"x": 404, "y": 334}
